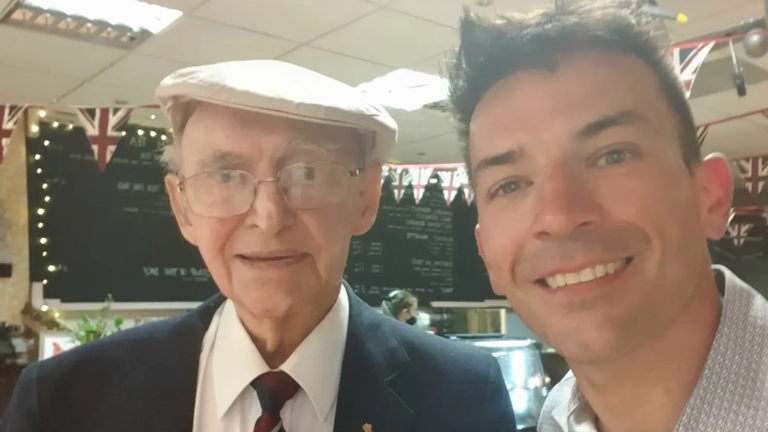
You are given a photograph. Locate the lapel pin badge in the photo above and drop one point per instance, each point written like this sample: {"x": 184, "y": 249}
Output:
{"x": 367, "y": 428}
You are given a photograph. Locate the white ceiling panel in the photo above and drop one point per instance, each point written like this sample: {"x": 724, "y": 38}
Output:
{"x": 345, "y": 69}
{"x": 197, "y": 41}
{"x": 390, "y": 38}
{"x": 23, "y": 86}
{"x": 99, "y": 94}
{"x": 434, "y": 65}
{"x": 439, "y": 149}
{"x": 296, "y": 20}
{"x": 138, "y": 70}
{"x": 705, "y": 114}
{"x": 182, "y": 5}
{"x": 738, "y": 144}
{"x": 418, "y": 125}
{"x": 732, "y": 13}
{"x": 697, "y": 10}
{"x": 43, "y": 53}
{"x": 729, "y": 101}
{"x": 448, "y": 12}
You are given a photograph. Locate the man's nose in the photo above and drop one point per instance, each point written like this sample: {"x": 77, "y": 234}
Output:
{"x": 565, "y": 203}
{"x": 269, "y": 211}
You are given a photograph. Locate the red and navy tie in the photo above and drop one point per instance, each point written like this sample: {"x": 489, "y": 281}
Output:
{"x": 274, "y": 390}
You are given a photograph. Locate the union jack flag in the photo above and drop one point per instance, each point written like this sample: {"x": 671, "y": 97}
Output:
{"x": 101, "y": 125}
{"x": 419, "y": 179}
{"x": 9, "y": 117}
{"x": 739, "y": 232}
{"x": 401, "y": 178}
{"x": 688, "y": 61}
{"x": 754, "y": 170}
{"x": 452, "y": 181}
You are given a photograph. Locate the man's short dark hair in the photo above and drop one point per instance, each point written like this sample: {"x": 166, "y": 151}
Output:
{"x": 493, "y": 49}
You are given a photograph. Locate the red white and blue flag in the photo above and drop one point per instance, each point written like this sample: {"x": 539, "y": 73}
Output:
{"x": 101, "y": 125}
{"x": 687, "y": 61}
{"x": 452, "y": 181}
{"x": 754, "y": 171}
{"x": 9, "y": 117}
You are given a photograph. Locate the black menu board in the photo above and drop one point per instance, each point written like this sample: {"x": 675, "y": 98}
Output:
{"x": 109, "y": 232}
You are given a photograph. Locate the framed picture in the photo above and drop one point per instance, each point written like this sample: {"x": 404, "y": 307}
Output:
{"x": 52, "y": 343}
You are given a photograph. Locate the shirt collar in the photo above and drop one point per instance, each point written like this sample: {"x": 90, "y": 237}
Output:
{"x": 237, "y": 362}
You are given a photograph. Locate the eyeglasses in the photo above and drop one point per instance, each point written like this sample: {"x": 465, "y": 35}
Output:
{"x": 305, "y": 186}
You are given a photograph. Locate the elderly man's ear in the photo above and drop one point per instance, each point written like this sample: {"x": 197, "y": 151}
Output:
{"x": 179, "y": 209}
{"x": 369, "y": 190}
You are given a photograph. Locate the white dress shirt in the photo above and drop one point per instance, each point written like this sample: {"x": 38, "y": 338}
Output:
{"x": 732, "y": 391}
{"x": 229, "y": 361}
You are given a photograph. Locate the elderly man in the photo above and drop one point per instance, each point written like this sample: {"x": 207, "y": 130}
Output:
{"x": 595, "y": 207}
{"x": 274, "y": 169}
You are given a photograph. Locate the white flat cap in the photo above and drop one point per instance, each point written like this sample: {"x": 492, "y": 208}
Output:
{"x": 280, "y": 89}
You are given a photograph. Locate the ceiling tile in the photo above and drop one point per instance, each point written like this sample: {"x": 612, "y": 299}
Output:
{"x": 197, "y": 41}
{"x": 730, "y": 14}
{"x": 296, "y": 20}
{"x": 434, "y": 65}
{"x": 182, "y": 5}
{"x": 390, "y": 38}
{"x": 139, "y": 70}
{"x": 697, "y": 10}
{"x": 42, "y": 53}
{"x": 24, "y": 86}
{"x": 345, "y": 69}
{"x": 728, "y": 101}
{"x": 99, "y": 94}
{"x": 705, "y": 114}
{"x": 449, "y": 12}
{"x": 444, "y": 148}
{"x": 421, "y": 124}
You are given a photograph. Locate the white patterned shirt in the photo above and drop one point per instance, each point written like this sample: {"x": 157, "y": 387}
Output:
{"x": 732, "y": 392}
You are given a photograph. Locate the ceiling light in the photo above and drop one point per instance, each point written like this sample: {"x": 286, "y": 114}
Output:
{"x": 406, "y": 89}
{"x": 119, "y": 23}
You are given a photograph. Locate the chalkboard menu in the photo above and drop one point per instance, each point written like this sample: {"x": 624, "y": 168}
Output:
{"x": 95, "y": 232}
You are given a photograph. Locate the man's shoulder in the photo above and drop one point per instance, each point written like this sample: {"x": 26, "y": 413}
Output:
{"x": 104, "y": 356}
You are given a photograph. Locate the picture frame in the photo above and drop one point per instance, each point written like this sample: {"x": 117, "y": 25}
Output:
{"x": 53, "y": 343}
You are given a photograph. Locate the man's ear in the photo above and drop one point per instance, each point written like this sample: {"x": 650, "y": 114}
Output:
{"x": 369, "y": 190}
{"x": 713, "y": 177}
{"x": 178, "y": 205}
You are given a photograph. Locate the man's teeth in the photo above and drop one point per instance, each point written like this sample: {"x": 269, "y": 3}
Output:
{"x": 586, "y": 275}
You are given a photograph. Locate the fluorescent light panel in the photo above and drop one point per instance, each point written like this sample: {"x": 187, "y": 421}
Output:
{"x": 131, "y": 13}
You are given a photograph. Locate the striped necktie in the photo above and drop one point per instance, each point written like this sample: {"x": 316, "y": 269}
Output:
{"x": 274, "y": 390}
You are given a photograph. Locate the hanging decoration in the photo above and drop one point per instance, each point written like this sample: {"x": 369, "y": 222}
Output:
{"x": 754, "y": 170}
{"x": 687, "y": 61}
{"x": 101, "y": 125}
{"x": 9, "y": 117}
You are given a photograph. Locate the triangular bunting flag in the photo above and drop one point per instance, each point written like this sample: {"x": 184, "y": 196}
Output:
{"x": 688, "y": 61}
{"x": 9, "y": 117}
{"x": 419, "y": 179}
{"x": 101, "y": 125}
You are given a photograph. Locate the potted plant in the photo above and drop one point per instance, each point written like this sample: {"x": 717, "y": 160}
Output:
{"x": 87, "y": 329}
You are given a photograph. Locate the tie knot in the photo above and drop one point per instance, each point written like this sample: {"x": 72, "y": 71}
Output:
{"x": 274, "y": 390}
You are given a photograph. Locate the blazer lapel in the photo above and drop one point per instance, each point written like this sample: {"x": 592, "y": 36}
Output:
{"x": 373, "y": 357}
{"x": 164, "y": 389}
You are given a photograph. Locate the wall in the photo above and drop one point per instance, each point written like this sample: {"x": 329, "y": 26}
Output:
{"x": 14, "y": 291}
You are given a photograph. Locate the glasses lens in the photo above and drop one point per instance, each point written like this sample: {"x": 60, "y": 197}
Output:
{"x": 219, "y": 193}
{"x": 314, "y": 185}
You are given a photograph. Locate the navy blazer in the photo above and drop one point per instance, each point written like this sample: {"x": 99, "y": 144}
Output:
{"x": 395, "y": 378}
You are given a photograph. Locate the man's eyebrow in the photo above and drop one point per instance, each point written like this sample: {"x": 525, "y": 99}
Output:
{"x": 219, "y": 159}
{"x": 509, "y": 157}
{"x": 596, "y": 127}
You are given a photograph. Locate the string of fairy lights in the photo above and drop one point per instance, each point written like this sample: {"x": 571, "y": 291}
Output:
{"x": 44, "y": 196}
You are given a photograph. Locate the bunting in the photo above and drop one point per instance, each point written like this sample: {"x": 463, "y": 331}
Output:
{"x": 754, "y": 170}
{"x": 738, "y": 232}
{"x": 687, "y": 62}
{"x": 101, "y": 125}
{"x": 9, "y": 117}
{"x": 452, "y": 181}
{"x": 419, "y": 179}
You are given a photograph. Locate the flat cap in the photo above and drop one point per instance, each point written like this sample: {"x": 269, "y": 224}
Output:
{"x": 280, "y": 89}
